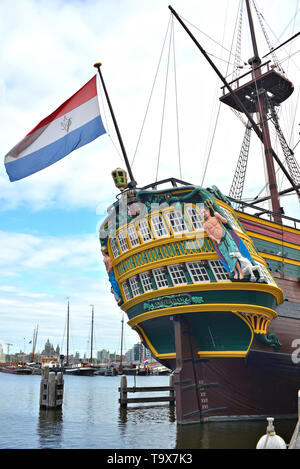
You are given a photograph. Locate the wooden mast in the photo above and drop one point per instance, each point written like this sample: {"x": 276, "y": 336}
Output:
{"x": 68, "y": 330}
{"x": 35, "y": 333}
{"x": 263, "y": 119}
{"x": 121, "y": 358}
{"x": 92, "y": 334}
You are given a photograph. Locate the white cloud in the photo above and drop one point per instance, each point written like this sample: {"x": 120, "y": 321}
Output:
{"x": 49, "y": 54}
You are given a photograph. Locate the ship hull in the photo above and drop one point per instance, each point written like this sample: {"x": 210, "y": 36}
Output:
{"x": 16, "y": 370}
{"x": 245, "y": 389}
{"x": 264, "y": 383}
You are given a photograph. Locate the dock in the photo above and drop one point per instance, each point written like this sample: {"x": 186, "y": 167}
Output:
{"x": 124, "y": 390}
{"x": 295, "y": 441}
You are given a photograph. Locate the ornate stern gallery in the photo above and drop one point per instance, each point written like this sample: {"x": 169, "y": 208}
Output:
{"x": 169, "y": 267}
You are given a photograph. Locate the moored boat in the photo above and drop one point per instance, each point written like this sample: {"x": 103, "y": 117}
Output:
{"x": 16, "y": 369}
{"x": 80, "y": 371}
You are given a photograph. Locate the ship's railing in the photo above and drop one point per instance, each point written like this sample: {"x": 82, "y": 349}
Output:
{"x": 291, "y": 221}
{"x": 260, "y": 212}
{"x": 166, "y": 225}
{"x": 239, "y": 81}
{"x": 173, "y": 181}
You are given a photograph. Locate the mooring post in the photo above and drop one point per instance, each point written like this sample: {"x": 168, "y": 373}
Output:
{"x": 172, "y": 391}
{"x": 51, "y": 390}
{"x": 59, "y": 389}
{"x": 123, "y": 391}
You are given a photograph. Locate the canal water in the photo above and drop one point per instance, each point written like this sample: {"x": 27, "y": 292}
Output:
{"x": 92, "y": 419}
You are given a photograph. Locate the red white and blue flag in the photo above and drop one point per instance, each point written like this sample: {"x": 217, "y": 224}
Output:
{"x": 74, "y": 124}
{"x": 146, "y": 361}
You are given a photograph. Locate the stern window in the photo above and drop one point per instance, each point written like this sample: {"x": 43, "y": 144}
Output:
{"x": 177, "y": 275}
{"x": 197, "y": 272}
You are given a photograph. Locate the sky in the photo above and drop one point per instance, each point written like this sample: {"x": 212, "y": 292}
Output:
{"x": 49, "y": 221}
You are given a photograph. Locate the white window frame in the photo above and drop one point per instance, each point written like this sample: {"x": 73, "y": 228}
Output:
{"x": 160, "y": 278}
{"x": 270, "y": 279}
{"x": 159, "y": 228}
{"x": 146, "y": 282}
{"x": 123, "y": 243}
{"x": 144, "y": 230}
{"x": 198, "y": 277}
{"x": 219, "y": 276}
{"x": 126, "y": 291}
{"x": 180, "y": 225}
{"x": 133, "y": 236}
{"x": 114, "y": 247}
{"x": 134, "y": 285}
{"x": 231, "y": 219}
{"x": 177, "y": 274}
{"x": 195, "y": 218}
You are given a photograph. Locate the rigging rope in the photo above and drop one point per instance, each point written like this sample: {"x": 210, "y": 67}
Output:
{"x": 289, "y": 160}
{"x": 106, "y": 123}
{"x": 209, "y": 37}
{"x": 176, "y": 101}
{"x": 152, "y": 89}
{"x": 260, "y": 19}
{"x": 164, "y": 104}
{"x": 219, "y": 106}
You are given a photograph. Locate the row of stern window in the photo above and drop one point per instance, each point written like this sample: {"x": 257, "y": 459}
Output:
{"x": 173, "y": 275}
{"x": 180, "y": 274}
{"x": 161, "y": 225}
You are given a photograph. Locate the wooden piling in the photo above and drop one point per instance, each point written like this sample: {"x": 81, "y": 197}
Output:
{"x": 51, "y": 389}
{"x": 124, "y": 390}
{"x": 172, "y": 390}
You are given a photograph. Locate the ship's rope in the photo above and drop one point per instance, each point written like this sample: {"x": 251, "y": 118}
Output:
{"x": 152, "y": 89}
{"x": 274, "y": 56}
{"x": 164, "y": 105}
{"x": 237, "y": 60}
{"x": 106, "y": 123}
{"x": 290, "y": 115}
{"x": 171, "y": 47}
{"x": 231, "y": 54}
{"x": 176, "y": 102}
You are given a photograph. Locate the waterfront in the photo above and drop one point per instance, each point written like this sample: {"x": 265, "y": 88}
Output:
{"x": 92, "y": 419}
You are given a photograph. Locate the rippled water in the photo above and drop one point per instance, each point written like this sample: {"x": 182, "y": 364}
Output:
{"x": 92, "y": 419}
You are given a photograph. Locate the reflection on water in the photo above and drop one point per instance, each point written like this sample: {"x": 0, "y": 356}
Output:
{"x": 91, "y": 418}
{"x": 147, "y": 414}
{"x": 49, "y": 428}
{"x": 208, "y": 435}
{"x": 228, "y": 435}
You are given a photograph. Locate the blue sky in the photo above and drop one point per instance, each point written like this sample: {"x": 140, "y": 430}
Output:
{"x": 49, "y": 221}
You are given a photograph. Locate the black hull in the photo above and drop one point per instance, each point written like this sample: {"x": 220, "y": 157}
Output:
{"x": 263, "y": 384}
{"x": 16, "y": 371}
{"x": 80, "y": 372}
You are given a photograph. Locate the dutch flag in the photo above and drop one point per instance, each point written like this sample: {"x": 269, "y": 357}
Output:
{"x": 74, "y": 124}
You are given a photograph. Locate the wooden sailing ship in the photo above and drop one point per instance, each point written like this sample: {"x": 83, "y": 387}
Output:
{"x": 205, "y": 282}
